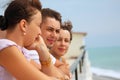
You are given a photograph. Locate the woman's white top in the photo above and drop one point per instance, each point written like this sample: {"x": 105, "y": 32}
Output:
{"x": 4, "y": 43}
{"x": 29, "y": 54}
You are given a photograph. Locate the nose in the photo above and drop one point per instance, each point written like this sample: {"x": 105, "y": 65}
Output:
{"x": 62, "y": 42}
{"x": 40, "y": 32}
{"x": 54, "y": 34}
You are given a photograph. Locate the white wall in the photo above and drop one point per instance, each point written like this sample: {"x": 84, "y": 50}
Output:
{"x": 77, "y": 42}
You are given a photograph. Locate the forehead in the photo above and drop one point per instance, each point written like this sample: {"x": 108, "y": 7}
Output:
{"x": 64, "y": 33}
{"x": 51, "y": 22}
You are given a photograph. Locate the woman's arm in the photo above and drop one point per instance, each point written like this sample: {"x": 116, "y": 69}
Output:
{"x": 64, "y": 67}
{"x": 44, "y": 57}
{"x": 16, "y": 64}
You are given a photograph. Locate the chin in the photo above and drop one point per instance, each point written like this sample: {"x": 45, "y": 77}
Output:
{"x": 49, "y": 46}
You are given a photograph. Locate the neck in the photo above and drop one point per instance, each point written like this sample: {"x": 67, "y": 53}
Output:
{"x": 13, "y": 36}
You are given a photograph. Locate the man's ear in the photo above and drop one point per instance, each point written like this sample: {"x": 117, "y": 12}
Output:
{"x": 23, "y": 25}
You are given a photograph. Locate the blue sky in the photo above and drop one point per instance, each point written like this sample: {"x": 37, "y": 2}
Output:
{"x": 100, "y": 19}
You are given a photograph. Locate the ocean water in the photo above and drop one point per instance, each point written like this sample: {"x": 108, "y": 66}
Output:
{"x": 105, "y": 61}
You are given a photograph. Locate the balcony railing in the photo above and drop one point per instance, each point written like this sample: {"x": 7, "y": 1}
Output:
{"x": 78, "y": 62}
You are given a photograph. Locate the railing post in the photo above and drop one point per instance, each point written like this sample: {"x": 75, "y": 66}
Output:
{"x": 76, "y": 74}
{"x": 79, "y": 61}
{"x": 80, "y": 66}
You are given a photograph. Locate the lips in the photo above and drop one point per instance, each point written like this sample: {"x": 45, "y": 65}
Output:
{"x": 61, "y": 49}
{"x": 51, "y": 41}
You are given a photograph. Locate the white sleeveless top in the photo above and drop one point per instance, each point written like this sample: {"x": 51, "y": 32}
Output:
{"x": 4, "y": 75}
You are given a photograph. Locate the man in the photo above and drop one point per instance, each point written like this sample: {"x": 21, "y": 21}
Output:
{"x": 50, "y": 27}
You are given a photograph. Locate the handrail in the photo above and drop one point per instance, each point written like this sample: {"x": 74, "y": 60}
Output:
{"x": 74, "y": 65}
{"x": 78, "y": 61}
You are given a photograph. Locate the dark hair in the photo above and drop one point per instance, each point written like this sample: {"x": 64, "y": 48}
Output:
{"x": 67, "y": 25}
{"x": 47, "y": 12}
{"x": 18, "y": 10}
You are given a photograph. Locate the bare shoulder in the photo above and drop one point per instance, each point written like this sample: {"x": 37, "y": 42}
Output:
{"x": 10, "y": 54}
{"x": 13, "y": 60}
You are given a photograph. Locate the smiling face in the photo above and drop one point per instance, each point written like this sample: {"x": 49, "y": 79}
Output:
{"x": 50, "y": 29}
{"x": 62, "y": 44}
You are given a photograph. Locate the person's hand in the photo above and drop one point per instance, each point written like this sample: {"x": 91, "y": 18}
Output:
{"x": 65, "y": 69}
{"x": 38, "y": 43}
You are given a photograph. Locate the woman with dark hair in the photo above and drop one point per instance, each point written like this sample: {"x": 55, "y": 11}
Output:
{"x": 22, "y": 20}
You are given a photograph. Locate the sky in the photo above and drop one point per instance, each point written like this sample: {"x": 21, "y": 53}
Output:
{"x": 100, "y": 19}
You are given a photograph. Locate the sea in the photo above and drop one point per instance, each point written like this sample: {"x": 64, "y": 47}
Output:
{"x": 105, "y": 61}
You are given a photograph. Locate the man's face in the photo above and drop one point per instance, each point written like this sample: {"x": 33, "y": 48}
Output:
{"x": 50, "y": 29}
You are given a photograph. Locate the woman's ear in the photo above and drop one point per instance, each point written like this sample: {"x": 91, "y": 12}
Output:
{"x": 23, "y": 25}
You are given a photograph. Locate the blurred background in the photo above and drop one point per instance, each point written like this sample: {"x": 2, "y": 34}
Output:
{"x": 100, "y": 19}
